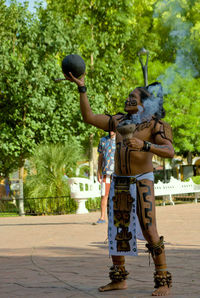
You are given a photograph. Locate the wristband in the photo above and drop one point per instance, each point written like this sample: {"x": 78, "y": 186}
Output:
{"x": 82, "y": 89}
{"x": 147, "y": 146}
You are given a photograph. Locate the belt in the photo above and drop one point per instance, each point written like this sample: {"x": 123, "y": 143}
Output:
{"x": 123, "y": 183}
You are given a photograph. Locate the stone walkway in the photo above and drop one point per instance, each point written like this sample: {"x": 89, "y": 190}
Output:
{"x": 65, "y": 256}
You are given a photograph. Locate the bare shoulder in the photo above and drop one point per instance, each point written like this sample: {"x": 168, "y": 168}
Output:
{"x": 163, "y": 129}
{"x": 119, "y": 116}
{"x": 158, "y": 123}
{"x": 114, "y": 120}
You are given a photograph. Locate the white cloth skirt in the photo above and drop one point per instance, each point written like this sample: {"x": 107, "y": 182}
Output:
{"x": 133, "y": 230}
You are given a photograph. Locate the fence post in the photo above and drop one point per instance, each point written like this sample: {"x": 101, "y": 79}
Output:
{"x": 21, "y": 198}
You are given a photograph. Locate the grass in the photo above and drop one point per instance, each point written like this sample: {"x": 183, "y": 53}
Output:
{"x": 8, "y": 214}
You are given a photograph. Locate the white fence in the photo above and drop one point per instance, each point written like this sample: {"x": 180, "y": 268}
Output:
{"x": 83, "y": 188}
{"x": 176, "y": 187}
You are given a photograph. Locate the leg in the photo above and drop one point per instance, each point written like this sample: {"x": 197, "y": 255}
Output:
{"x": 104, "y": 200}
{"x": 147, "y": 218}
{"x": 118, "y": 275}
{"x": 105, "y": 188}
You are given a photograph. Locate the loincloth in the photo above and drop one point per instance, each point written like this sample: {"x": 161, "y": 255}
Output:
{"x": 123, "y": 224}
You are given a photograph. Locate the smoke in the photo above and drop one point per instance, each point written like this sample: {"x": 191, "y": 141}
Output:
{"x": 153, "y": 105}
{"x": 173, "y": 13}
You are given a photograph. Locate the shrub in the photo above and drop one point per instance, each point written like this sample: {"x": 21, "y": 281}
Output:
{"x": 46, "y": 179}
{"x": 196, "y": 179}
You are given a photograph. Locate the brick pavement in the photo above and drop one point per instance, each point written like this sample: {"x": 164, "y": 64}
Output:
{"x": 65, "y": 256}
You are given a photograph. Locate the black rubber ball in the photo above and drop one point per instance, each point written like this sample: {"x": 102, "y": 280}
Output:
{"x": 73, "y": 63}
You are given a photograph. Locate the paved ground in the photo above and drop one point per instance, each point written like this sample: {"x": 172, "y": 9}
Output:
{"x": 65, "y": 256}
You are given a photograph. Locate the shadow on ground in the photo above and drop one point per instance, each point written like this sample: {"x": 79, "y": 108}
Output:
{"x": 78, "y": 272}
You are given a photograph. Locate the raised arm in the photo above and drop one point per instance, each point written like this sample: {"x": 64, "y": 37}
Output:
{"x": 98, "y": 120}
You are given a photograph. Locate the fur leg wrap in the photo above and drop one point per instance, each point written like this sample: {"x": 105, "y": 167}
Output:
{"x": 156, "y": 249}
{"x": 164, "y": 279}
{"x": 118, "y": 273}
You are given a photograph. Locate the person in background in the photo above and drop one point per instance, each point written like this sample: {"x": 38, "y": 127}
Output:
{"x": 106, "y": 162}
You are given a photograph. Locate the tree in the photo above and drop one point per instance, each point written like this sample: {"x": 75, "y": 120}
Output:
{"x": 33, "y": 109}
{"x": 177, "y": 24}
{"x": 182, "y": 106}
{"x": 108, "y": 35}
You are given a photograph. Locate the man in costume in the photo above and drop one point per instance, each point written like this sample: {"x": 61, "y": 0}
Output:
{"x": 106, "y": 150}
{"x": 139, "y": 134}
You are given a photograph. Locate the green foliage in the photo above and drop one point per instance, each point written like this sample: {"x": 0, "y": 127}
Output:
{"x": 108, "y": 35}
{"x": 93, "y": 204}
{"x": 196, "y": 179}
{"x": 50, "y": 206}
{"x": 7, "y": 206}
{"x": 84, "y": 171}
{"x": 8, "y": 214}
{"x": 46, "y": 178}
{"x": 48, "y": 166}
{"x": 113, "y": 33}
{"x": 33, "y": 109}
{"x": 182, "y": 106}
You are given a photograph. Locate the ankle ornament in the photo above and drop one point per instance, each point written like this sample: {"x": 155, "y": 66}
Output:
{"x": 164, "y": 279}
{"x": 156, "y": 249}
{"x": 118, "y": 273}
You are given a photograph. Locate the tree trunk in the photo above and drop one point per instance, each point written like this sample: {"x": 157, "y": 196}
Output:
{"x": 21, "y": 192}
{"x": 91, "y": 163}
{"x": 164, "y": 171}
{"x": 189, "y": 158}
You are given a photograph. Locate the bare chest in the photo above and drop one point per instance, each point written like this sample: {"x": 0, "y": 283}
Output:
{"x": 141, "y": 131}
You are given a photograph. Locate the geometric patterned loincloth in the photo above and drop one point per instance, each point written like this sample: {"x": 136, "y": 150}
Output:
{"x": 123, "y": 224}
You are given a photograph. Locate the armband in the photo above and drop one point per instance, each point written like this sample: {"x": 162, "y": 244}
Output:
{"x": 82, "y": 89}
{"x": 147, "y": 146}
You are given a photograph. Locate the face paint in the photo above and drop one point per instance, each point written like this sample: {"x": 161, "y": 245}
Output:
{"x": 150, "y": 106}
{"x": 131, "y": 102}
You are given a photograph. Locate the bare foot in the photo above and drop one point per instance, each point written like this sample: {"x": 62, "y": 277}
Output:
{"x": 121, "y": 285}
{"x": 162, "y": 291}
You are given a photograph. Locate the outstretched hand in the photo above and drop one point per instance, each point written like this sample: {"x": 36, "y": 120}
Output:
{"x": 79, "y": 81}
